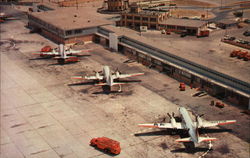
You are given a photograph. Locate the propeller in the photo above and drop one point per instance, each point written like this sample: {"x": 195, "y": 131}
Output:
{"x": 97, "y": 71}
{"x": 169, "y": 115}
{"x": 117, "y": 70}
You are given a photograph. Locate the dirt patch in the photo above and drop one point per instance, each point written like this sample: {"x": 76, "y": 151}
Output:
{"x": 163, "y": 145}
{"x": 223, "y": 149}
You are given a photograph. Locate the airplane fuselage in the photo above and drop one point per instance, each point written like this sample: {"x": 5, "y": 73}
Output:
{"x": 192, "y": 129}
{"x": 107, "y": 75}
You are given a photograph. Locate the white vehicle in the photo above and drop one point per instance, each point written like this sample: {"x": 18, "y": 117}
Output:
{"x": 190, "y": 125}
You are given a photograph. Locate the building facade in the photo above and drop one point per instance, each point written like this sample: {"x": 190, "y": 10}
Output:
{"x": 139, "y": 18}
{"x": 117, "y": 5}
{"x": 215, "y": 83}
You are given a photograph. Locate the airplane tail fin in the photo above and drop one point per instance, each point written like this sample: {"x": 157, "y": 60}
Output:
{"x": 188, "y": 139}
{"x": 205, "y": 139}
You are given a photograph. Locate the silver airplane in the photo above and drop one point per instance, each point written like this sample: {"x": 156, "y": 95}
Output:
{"x": 107, "y": 77}
{"x": 188, "y": 124}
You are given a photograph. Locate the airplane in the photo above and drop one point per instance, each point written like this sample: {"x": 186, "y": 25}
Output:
{"x": 188, "y": 124}
{"x": 49, "y": 53}
{"x": 6, "y": 16}
{"x": 107, "y": 78}
{"x": 63, "y": 58}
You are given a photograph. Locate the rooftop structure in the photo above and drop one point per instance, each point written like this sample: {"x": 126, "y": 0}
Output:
{"x": 71, "y": 18}
{"x": 68, "y": 25}
{"x": 117, "y": 5}
{"x": 183, "y": 22}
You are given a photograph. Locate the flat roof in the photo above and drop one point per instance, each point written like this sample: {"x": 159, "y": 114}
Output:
{"x": 227, "y": 21}
{"x": 73, "y": 18}
{"x": 216, "y": 61}
{"x": 146, "y": 12}
{"x": 183, "y": 22}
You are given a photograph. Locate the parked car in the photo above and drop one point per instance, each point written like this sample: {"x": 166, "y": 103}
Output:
{"x": 238, "y": 40}
{"x": 246, "y": 33}
{"x": 227, "y": 37}
{"x": 247, "y": 21}
{"x": 106, "y": 144}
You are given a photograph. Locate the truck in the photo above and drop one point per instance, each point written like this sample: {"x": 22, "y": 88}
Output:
{"x": 246, "y": 57}
{"x": 46, "y": 49}
{"x": 235, "y": 53}
{"x": 106, "y": 144}
{"x": 203, "y": 33}
{"x": 242, "y": 54}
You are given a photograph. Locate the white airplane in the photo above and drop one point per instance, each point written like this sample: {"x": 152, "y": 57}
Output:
{"x": 188, "y": 124}
{"x": 56, "y": 52}
{"x": 107, "y": 78}
{"x": 63, "y": 58}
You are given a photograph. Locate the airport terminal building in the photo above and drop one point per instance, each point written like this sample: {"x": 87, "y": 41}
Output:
{"x": 74, "y": 28}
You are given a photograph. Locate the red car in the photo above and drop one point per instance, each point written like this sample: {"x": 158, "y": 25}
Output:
{"x": 106, "y": 144}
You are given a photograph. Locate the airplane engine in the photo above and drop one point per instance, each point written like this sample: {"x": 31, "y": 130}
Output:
{"x": 172, "y": 120}
{"x": 117, "y": 74}
{"x": 97, "y": 75}
{"x": 199, "y": 121}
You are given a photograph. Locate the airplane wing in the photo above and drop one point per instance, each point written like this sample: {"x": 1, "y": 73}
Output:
{"x": 93, "y": 77}
{"x": 77, "y": 77}
{"x": 200, "y": 139}
{"x": 216, "y": 123}
{"x": 46, "y": 53}
{"x": 178, "y": 125}
{"x": 88, "y": 77}
{"x": 113, "y": 84}
{"x": 126, "y": 75}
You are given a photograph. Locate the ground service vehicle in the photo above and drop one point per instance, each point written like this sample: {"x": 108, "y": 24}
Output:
{"x": 242, "y": 54}
{"x": 204, "y": 33}
{"x": 246, "y": 57}
{"x": 46, "y": 49}
{"x": 182, "y": 86}
{"x": 106, "y": 144}
{"x": 235, "y": 53}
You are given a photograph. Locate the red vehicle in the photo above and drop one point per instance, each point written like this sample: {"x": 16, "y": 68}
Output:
{"x": 246, "y": 57}
{"x": 106, "y": 144}
{"x": 46, "y": 49}
{"x": 235, "y": 53}
{"x": 182, "y": 86}
{"x": 203, "y": 33}
{"x": 219, "y": 105}
{"x": 242, "y": 54}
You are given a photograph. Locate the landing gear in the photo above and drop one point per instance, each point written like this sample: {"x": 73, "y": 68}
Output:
{"x": 106, "y": 89}
{"x": 120, "y": 88}
{"x": 61, "y": 61}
